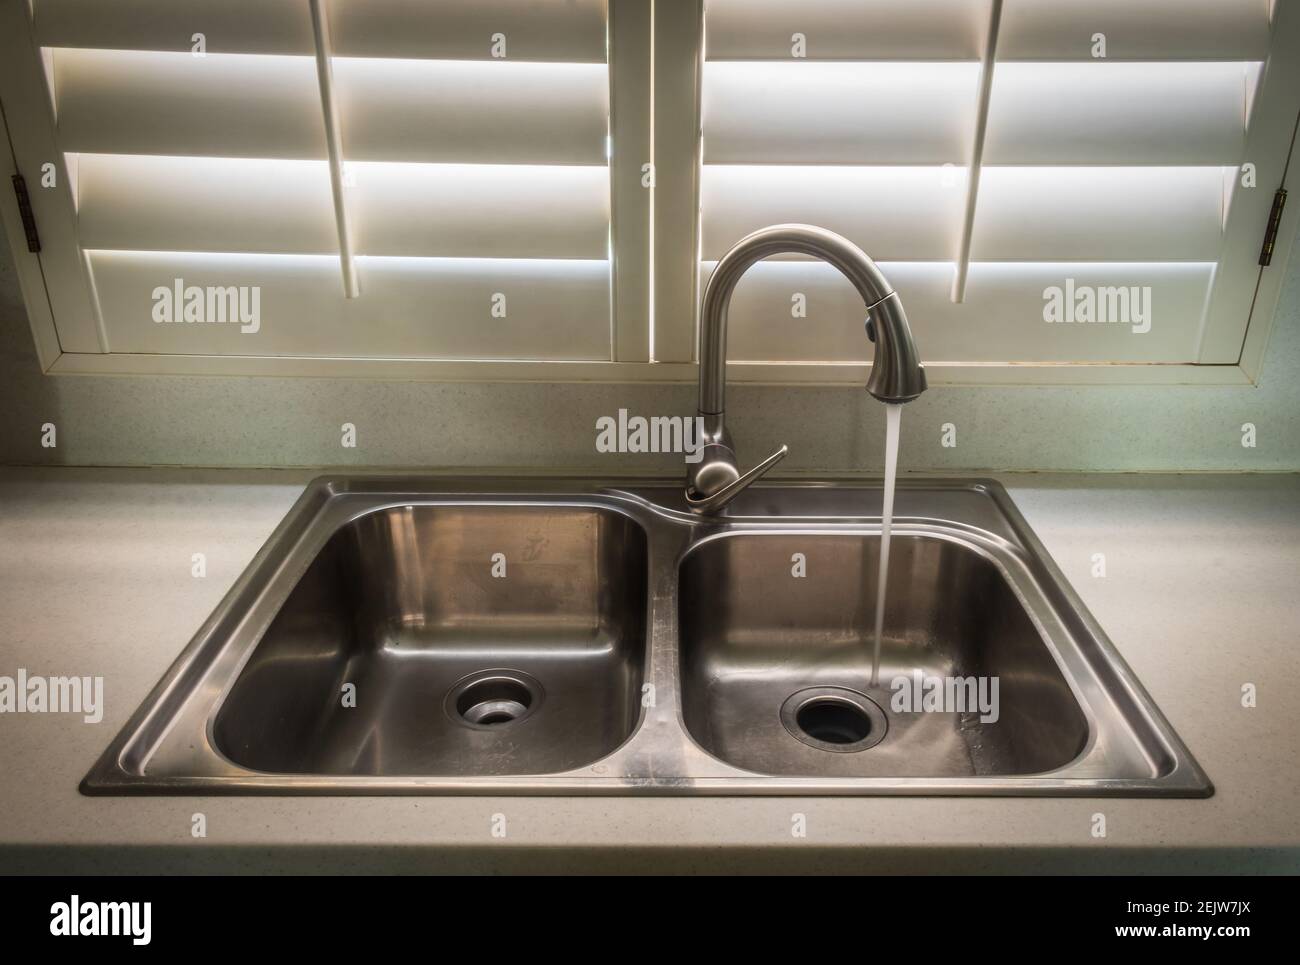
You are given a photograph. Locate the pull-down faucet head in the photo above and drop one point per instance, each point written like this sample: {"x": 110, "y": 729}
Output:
{"x": 897, "y": 375}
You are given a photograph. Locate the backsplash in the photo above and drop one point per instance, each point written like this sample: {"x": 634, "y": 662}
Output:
{"x": 297, "y": 422}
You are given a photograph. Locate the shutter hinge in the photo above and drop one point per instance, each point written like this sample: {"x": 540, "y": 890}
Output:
{"x": 1270, "y": 233}
{"x": 25, "y": 212}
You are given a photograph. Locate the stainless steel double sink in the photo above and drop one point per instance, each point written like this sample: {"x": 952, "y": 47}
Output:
{"x": 437, "y": 635}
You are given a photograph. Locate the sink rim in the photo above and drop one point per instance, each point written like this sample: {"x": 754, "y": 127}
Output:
{"x": 647, "y": 762}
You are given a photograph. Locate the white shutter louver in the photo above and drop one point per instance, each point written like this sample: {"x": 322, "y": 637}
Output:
{"x": 1102, "y": 167}
{"x": 471, "y": 181}
{"x": 409, "y": 202}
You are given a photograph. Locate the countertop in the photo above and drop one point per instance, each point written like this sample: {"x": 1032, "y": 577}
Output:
{"x": 1200, "y": 596}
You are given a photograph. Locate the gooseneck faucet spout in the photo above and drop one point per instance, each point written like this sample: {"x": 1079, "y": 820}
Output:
{"x": 897, "y": 375}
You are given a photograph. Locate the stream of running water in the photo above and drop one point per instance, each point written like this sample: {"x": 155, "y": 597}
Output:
{"x": 893, "y": 416}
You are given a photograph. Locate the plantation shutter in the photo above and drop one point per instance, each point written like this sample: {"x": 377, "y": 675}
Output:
{"x": 399, "y": 178}
{"x": 1122, "y": 147}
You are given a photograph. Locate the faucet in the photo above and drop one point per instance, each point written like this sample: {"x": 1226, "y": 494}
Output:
{"x": 897, "y": 375}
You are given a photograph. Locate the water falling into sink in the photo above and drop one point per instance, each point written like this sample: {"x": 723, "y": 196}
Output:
{"x": 893, "y": 416}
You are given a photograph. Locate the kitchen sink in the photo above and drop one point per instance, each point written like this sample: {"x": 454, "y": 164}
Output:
{"x": 438, "y": 635}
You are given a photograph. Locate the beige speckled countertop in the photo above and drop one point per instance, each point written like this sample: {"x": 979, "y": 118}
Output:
{"x": 1202, "y": 595}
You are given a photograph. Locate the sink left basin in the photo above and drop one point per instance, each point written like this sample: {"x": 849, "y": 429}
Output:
{"x": 450, "y": 640}
{"x": 398, "y": 639}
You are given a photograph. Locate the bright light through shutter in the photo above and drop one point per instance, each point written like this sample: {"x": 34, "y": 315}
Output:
{"x": 475, "y": 174}
{"x": 1110, "y": 164}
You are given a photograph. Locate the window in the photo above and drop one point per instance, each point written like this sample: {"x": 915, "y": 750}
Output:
{"x": 1061, "y": 190}
{"x": 388, "y": 179}
{"x": 1074, "y": 181}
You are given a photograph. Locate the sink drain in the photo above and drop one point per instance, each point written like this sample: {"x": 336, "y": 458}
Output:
{"x": 834, "y": 719}
{"x": 493, "y": 698}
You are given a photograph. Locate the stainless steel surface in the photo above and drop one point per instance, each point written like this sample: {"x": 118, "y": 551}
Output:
{"x": 402, "y": 604}
{"x": 752, "y": 636}
{"x": 730, "y": 490}
{"x": 896, "y": 372}
{"x": 632, "y": 646}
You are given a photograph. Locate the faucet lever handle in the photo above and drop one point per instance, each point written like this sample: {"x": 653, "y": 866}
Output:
{"x": 715, "y": 502}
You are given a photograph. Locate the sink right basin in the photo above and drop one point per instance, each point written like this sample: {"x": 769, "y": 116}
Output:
{"x": 777, "y": 648}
